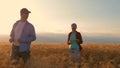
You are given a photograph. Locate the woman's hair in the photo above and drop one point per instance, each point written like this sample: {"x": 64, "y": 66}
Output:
{"x": 74, "y": 25}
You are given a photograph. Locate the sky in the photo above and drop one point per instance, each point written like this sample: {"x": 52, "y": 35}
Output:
{"x": 93, "y": 17}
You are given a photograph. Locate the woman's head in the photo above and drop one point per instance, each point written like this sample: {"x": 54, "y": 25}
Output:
{"x": 74, "y": 26}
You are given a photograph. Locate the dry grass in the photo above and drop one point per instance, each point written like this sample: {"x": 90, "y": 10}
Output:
{"x": 47, "y": 55}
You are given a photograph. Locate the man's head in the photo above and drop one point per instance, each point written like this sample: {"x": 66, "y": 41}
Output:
{"x": 24, "y": 12}
{"x": 74, "y": 27}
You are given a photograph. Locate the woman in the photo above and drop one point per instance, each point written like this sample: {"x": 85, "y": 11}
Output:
{"x": 74, "y": 40}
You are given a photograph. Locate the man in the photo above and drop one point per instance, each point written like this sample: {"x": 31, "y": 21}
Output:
{"x": 21, "y": 36}
{"x": 74, "y": 40}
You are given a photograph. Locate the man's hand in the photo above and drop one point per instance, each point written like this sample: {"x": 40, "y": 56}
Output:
{"x": 19, "y": 40}
{"x": 10, "y": 40}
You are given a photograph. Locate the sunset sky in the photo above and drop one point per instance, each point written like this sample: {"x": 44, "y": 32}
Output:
{"x": 55, "y": 16}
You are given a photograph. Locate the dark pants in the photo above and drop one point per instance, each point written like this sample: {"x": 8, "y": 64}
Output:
{"x": 16, "y": 54}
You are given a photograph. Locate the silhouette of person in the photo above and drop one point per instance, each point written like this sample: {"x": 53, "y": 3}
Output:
{"x": 22, "y": 34}
{"x": 74, "y": 40}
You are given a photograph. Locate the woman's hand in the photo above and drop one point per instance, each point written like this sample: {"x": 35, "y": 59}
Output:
{"x": 75, "y": 40}
{"x": 72, "y": 41}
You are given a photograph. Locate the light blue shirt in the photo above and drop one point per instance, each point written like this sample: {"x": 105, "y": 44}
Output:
{"x": 73, "y": 44}
{"x": 28, "y": 35}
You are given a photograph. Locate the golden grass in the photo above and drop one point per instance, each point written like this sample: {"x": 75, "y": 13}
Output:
{"x": 56, "y": 55}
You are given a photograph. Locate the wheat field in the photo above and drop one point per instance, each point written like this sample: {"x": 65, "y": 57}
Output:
{"x": 56, "y": 55}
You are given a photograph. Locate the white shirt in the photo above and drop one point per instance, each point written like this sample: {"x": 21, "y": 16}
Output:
{"x": 18, "y": 31}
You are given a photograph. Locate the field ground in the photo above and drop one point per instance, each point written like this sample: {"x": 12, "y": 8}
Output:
{"x": 56, "y": 55}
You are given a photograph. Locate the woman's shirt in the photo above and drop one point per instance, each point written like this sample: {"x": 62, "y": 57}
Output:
{"x": 74, "y": 44}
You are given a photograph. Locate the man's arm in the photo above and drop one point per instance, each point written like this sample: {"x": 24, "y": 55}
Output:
{"x": 12, "y": 34}
{"x": 31, "y": 36}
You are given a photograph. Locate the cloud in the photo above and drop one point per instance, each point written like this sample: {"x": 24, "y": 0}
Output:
{"x": 99, "y": 38}
{"x": 62, "y": 38}
{"x": 51, "y": 37}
